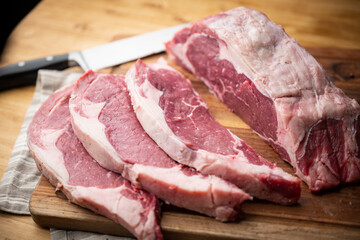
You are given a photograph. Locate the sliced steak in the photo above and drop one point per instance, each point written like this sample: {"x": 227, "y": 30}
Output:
{"x": 106, "y": 124}
{"x": 61, "y": 157}
{"x": 179, "y": 121}
{"x": 278, "y": 89}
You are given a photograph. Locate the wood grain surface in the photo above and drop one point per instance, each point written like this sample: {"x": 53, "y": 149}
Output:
{"x": 50, "y": 208}
{"x": 331, "y": 214}
{"x": 56, "y": 27}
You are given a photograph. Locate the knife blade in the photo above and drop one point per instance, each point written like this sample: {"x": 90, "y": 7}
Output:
{"x": 95, "y": 58}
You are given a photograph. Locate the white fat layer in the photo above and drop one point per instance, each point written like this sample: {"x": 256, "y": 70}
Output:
{"x": 353, "y": 163}
{"x": 152, "y": 118}
{"x": 128, "y": 211}
{"x": 148, "y": 229}
{"x": 49, "y": 155}
{"x": 238, "y": 60}
{"x": 111, "y": 203}
{"x": 279, "y": 68}
{"x": 161, "y": 64}
{"x": 175, "y": 177}
{"x": 180, "y": 50}
{"x": 264, "y": 51}
{"x": 211, "y": 163}
{"x": 90, "y": 130}
{"x": 285, "y": 72}
{"x": 206, "y": 196}
{"x": 125, "y": 211}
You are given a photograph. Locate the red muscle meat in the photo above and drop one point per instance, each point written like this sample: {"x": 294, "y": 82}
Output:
{"x": 278, "y": 89}
{"x": 105, "y": 122}
{"x": 179, "y": 121}
{"x": 62, "y": 159}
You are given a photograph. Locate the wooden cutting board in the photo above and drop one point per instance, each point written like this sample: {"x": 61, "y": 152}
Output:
{"x": 332, "y": 214}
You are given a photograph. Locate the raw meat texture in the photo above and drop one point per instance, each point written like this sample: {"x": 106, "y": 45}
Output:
{"x": 179, "y": 121}
{"x": 60, "y": 156}
{"x": 278, "y": 89}
{"x": 105, "y": 122}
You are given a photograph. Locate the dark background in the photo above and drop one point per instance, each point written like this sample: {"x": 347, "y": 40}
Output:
{"x": 11, "y": 13}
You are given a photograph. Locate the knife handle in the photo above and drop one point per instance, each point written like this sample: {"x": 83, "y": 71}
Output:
{"x": 24, "y": 73}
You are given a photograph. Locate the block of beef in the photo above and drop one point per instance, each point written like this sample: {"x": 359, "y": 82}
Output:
{"x": 278, "y": 89}
{"x": 179, "y": 121}
{"x": 105, "y": 122}
{"x": 62, "y": 159}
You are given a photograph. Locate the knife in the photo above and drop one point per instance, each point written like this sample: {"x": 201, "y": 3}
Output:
{"x": 106, "y": 55}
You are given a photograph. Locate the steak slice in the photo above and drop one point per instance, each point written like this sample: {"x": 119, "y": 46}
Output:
{"x": 106, "y": 124}
{"x": 278, "y": 89}
{"x": 179, "y": 121}
{"x": 62, "y": 159}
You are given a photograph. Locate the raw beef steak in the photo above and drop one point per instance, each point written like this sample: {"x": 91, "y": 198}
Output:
{"x": 105, "y": 122}
{"x": 278, "y": 89}
{"x": 179, "y": 121}
{"x": 60, "y": 156}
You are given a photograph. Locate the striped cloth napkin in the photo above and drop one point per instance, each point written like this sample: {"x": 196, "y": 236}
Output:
{"x": 21, "y": 175}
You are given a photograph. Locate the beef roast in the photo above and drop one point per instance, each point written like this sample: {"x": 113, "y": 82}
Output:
{"x": 179, "y": 121}
{"x": 105, "y": 122}
{"x": 60, "y": 156}
{"x": 278, "y": 89}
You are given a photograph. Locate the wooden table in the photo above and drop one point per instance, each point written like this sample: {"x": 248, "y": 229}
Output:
{"x": 56, "y": 27}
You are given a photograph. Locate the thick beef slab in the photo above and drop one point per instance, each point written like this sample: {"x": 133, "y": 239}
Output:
{"x": 278, "y": 89}
{"x": 179, "y": 121}
{"x": 60, "y": 156}
{"x": 105, "y": 122}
